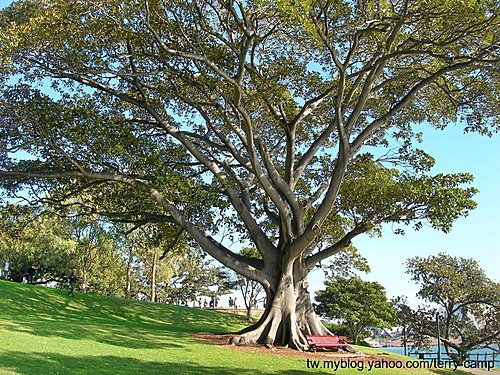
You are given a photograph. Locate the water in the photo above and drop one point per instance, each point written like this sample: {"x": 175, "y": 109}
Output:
{"x": 433, "y": 353}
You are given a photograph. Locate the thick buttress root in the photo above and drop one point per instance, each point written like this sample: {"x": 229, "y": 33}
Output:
{"x": 288, "y": 317}
{"x": 279, "y": 328}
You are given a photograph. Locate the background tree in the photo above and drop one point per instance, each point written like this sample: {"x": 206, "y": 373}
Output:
{"x": 169, "y": 268}
{"x": 127, "y": 253}
{"x": 195, "y": 276}
{"x": 42, "y": 247}
{"x": 405, "y": 319}
{"x": 466, "y": 302}
{"x": 345, "y": 264}
{"x": 37, "y": 247}
{"x": 97, "y": 254}
{"x": 189, "y": 279}
{"x": 108, "y": 274}
{"x": 219, "y": 283}
{"x": 248, "y": 117}
{"x": 251, "y": 291}
{"x": 357, "y": 303}
{"x": 149, "y": 243}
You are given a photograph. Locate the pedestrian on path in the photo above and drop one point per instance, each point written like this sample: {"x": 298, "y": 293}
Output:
{"x": 72, "y": 282}
{"x": 5, "y": 270}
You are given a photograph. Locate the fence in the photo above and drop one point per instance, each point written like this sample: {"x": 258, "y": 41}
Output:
{"x": 487, "y": 356}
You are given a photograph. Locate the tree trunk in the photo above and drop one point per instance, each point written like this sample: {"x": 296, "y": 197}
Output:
{"x": 85, "y": 266}
{"x": 288, "y": 316}
{"x": 355, "y": 336}
{"x": 153, "y": 277}
{"x": 83, "y": 288}
{"x": 249, "y": 311}
{"x": 128, "y": 281}
{"x": 354, "y": 331}
{"x": 458, "y": 356}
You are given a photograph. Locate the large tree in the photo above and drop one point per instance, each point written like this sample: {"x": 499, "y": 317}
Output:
{"x": 357, "y": 303}
{"x": 219, "y": 116}
{"x": 464, "y": 300}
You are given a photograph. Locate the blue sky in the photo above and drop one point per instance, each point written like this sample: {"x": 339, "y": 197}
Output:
{"x": 476, "y": 236}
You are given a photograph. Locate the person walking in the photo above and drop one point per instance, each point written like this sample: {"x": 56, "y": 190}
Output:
{"x": 31, "y": 274}
{"x": 5, "y": 269}
{"x": 72, "y": 282}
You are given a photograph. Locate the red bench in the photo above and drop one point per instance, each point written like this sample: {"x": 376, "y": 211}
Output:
{"x": 326, "y": 342}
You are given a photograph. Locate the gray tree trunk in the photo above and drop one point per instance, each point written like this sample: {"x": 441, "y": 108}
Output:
{"x": 153, "y": 277}
{"x": 128, "y": 282}
{"x": 288, "y": 316}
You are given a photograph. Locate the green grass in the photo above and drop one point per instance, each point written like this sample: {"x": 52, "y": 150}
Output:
{"x": 378, "y": 351}
{"x": 43, "y": 331}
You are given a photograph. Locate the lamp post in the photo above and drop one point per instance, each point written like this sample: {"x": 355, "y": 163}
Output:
{"x": 404, "y": 338}
{"x": 438, "y": 339}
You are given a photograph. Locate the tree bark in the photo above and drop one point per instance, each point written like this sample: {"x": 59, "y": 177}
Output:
{"x": 83, "y": 288}
{"x": 153, "y": 277}
{"x": 128, "y": 282}
{"x": 458, "y": 357}
{"x": 249, "y": 311}
{"x": 85, "y": 267}
{"x": 288, "y": 316}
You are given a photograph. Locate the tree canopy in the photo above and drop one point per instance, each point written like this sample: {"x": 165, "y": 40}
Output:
{"x": 247, "y": 119}
{"x": 43, "y": 248}
{"x": 464, "y": 299}
{"x": 357, "y": 303}
{"x": 36, "y": 247}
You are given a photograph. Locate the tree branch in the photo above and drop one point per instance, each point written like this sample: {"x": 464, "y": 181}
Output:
{"x": 344, "y": 242}
{"x": 212, "y": 247}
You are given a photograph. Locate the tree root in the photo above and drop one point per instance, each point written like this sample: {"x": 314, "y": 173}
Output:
{"x": 276, "y": 329}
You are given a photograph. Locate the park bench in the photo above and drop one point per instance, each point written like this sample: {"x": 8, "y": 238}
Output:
{"x": 326, "y": 342}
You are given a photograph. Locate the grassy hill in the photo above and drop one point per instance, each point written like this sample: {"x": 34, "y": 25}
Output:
{"x": 43, "y": 331}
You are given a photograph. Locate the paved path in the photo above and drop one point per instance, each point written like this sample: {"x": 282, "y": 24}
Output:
{"x": 480, "y": 371}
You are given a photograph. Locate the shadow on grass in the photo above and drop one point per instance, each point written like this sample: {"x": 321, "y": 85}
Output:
{"x": 132, "y": 324}
{"x": 49, "y": 363}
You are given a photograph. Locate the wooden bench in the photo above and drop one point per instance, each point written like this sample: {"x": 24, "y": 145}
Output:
{"x": 326, "y": 342}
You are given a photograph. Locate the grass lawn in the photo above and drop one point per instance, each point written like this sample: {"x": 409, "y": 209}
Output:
{"x": 43, "y": 331}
